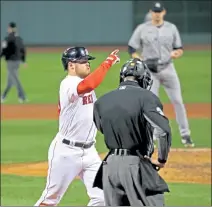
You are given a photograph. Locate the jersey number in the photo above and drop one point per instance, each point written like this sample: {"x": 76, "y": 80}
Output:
{"x": 87, "y": 99}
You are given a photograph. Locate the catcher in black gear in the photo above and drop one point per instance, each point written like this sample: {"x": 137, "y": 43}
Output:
{"x": 127, "y": 117}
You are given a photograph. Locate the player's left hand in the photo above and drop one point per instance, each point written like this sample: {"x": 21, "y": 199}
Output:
{"x": 155, "y": 162}
{"x": 174, "y": 54}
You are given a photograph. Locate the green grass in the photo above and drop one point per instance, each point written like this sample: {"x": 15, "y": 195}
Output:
{"x": 17, "y": 190}
{"x": 189, "y": 195}
{"x": 42, "y": 77}
{"x": 26, "y": 141}
{"x": 200, "y": 132}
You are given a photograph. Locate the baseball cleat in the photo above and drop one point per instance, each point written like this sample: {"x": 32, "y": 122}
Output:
{"x": 20, "y": 100}
{"x": 187, "y": 141}
{"x": 2, "y": 100}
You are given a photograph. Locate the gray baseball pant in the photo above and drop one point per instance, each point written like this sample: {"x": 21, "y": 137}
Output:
{"x": 121, "y": 185}
{"x": 169, "y": 79}
{"x": 13, "y": 80}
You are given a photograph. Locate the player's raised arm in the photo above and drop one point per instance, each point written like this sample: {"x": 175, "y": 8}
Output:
{"x": 93, "y": 80}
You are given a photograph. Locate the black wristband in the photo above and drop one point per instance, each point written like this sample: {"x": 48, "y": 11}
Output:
{"x": 131, "y": 50}
{"x": 161, "y": 161}
{"x": 177, "y": 48}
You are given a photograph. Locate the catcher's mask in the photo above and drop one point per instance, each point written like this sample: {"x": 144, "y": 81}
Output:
{"x": 75, "y": 55}
{"x": 139, "y": 70}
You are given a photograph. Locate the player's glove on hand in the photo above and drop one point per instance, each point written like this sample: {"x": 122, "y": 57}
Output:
{"x": 152, "y": 64}
{"x": 113, "y": 58}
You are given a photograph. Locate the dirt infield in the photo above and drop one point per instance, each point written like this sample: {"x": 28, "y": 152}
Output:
{"x": 184, "y": 165}
{"x": 46, "y": 111}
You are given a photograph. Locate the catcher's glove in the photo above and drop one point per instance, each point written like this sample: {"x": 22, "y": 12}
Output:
{"x": 152, "y": 64}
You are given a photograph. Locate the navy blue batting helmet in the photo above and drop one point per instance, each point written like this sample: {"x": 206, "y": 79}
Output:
{"x": 139, "y": 70}
{"x": 75, "y": 55}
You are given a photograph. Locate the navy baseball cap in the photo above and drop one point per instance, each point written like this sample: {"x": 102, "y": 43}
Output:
{"x": 157, "y": 7}
{"x": 12, "y": 24}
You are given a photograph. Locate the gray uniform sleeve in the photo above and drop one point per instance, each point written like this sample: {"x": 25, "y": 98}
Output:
{"x": 153, "y": 113}
{"x": 177, "y": 43}
{"x": 135, "y": 40}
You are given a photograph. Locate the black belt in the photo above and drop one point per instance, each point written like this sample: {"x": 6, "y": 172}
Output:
{"x": 123, "y": 152}
{"x": 78, "y": 144}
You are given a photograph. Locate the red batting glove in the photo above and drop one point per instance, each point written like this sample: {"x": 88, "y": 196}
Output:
{"x": 113, "y": 58}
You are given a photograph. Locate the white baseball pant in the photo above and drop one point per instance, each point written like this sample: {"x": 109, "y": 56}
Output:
{"x": 64, "y": 164}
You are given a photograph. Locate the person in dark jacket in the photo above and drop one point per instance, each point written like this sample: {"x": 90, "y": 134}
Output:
{"x": 13, "y": 50}
{"x": 128, "y": 117}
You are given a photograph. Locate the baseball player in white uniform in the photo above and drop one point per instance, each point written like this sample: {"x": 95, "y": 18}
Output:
{"x": 160, "y": 42}
{"x": 72, "y": 152}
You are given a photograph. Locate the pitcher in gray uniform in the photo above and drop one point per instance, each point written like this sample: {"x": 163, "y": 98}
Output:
{"x": 159, "y": 42}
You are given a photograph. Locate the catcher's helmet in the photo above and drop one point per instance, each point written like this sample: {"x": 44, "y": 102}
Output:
{"x": 139, "y": 70}
{"x": 75, "y": 55}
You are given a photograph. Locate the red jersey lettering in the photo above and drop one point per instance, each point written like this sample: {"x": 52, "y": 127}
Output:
{"x": 90, "y": 99}
{"x": 84, "y": 100}
{"x": 87, "y": 99}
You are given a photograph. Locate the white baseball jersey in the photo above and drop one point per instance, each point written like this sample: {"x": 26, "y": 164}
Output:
{"x": 76, "y": 112}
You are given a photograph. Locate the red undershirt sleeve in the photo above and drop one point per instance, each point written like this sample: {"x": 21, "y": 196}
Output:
{"x": 94, "y": 79}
